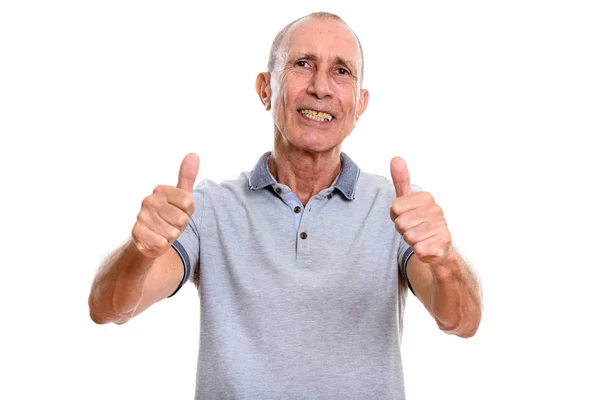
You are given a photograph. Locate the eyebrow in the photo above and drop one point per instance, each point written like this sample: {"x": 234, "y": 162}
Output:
{"x": 347, "y": 64}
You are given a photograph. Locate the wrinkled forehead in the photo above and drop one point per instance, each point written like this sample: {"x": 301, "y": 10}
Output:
{"x": 326, "y": 38}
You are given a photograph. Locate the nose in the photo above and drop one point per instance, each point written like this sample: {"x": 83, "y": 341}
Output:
{"x": 319, "y": 85}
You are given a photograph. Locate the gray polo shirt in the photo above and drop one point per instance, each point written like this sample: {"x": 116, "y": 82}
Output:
{"x": 297, "y": 302}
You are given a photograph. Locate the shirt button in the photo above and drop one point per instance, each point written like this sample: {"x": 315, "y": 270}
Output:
{"x": 329, "y": 196}
{"x": 297, "y": 209}
{"x": 278, "y": 190}
{"x": 303, "y": 235}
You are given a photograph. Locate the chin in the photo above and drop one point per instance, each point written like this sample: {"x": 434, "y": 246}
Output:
{"x": 313, "y": 140}
{"x": 315, "y": 146}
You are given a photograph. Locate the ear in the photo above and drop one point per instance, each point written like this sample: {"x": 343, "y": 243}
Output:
{"x": 363, "y": 102}
{"x": 263, "y": 89}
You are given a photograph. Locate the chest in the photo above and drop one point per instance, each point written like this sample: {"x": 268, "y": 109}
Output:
{"x": 338, "y": 252}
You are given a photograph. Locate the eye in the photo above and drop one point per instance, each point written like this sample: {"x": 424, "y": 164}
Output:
{"x": 342, "y": 71}
{"x": 302, "y": 63}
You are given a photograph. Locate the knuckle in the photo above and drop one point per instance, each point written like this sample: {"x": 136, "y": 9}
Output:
{"x": 151, "y": 246}
{"x": 395, "y": 208}
{"x": 172, "y": 234}
{"x": 162, "y": 243}
{"x": 135, "y": 233}
{"x": 157, "y": 244}
{"x": 140, "y": 245}
{"x": 182, "y": 221}
{"x": 146, "y": 202}
{"x": 400, "y": 225}
{"x": 393, "y": 213}
{"x": 160, "y": 189}
{"x": 421, "y": 250}
{"x": 150, "y": 203}
{"x": 409, "y": 237}
{"x": 143, "y": 217}
{"x": 188, "y": 205}
{"x": 426, "y": 197}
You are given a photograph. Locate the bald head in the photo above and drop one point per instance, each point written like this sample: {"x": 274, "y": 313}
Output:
{"x": 277, "y": 49}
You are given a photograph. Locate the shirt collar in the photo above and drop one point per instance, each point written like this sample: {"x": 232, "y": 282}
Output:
{"x": 260, "y": 177}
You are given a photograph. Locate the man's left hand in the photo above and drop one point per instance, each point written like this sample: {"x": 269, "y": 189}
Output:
{"x": 418, "y": 218}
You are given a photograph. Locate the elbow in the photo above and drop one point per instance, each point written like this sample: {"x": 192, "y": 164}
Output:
{"x": 467, "y": 332}
{"x": 98, "y": 318}
{"x": 471, "y": 323}
{"x": 96, "y": 315}
{"x": 465, "y": 327}
{"x": 462, "y": 331}
{"x": 101, "y": 316}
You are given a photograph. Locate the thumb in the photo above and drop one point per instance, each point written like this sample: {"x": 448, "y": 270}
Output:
{"x": 188, "y": 172}
{"x": 400, "y": 176}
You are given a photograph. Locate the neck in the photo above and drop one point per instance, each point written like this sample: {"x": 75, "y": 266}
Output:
{"x": 305, "y": 173}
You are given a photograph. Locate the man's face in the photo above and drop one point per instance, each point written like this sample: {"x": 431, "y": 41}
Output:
{"x": 316, "y": 95}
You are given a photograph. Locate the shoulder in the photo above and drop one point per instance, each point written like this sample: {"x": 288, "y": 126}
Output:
{"x": 378, "y": 185}
{"x": 209, "y": 186}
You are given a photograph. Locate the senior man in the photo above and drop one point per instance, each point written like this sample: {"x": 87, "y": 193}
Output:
{"x": 301, "y": 274}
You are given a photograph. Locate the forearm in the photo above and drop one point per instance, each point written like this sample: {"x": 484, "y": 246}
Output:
{"x": 456, "y": 299}
{"x": 117, "y": 288}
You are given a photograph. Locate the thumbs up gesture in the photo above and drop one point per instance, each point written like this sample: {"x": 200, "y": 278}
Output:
{"x": 418, "y": 218}
{"x": 165, "y": 213}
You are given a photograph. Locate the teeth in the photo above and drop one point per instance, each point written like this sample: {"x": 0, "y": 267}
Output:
{"x": 316, "y": 115}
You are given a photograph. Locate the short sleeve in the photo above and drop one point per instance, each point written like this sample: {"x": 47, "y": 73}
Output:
{"x": 405, "y": 251}
{"x": 187, "y": 244}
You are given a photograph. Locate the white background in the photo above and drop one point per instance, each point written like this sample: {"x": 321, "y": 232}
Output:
{"x": 494, "y": 105}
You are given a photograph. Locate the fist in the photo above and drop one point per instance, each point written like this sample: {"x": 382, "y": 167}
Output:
{"x": 418, "y": 218}
{"x": 165, "y": 213}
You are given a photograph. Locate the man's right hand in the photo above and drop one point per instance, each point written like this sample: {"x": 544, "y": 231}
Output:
{"x": 165, "y": 213}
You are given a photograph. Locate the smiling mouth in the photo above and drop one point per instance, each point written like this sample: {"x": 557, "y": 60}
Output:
{"x": 316, "y": 115}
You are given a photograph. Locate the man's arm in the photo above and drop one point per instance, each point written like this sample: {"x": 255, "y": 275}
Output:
{"x": 128, "y": 282}
{"x": 146, "y": 269}
{"x": 450, "y": 291}
{"x": 439, "y": 277}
